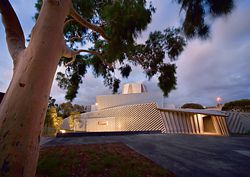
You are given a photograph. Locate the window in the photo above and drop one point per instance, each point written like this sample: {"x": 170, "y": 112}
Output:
{"x": 103, "y": 123}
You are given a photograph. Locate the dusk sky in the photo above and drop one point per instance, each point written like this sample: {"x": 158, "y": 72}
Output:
{"x": 219, "y": 66}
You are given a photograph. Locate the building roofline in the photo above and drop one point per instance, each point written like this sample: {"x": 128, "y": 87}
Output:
{"x": 196, "y": 111}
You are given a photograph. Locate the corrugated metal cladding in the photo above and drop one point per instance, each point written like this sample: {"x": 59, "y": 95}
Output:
{"x": 238, "y": 122}
{"x": 191, "y": 123}
{"x": 146, "y": 117}
{"x": 138, "y": 117}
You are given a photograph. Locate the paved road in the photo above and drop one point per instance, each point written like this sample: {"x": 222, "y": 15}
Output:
{"x": 185, "y": 155}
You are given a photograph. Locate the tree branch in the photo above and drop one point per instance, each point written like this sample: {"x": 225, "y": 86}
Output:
{"x": 75, "y": 38}
{"x": 69, "y": 53}
{"x": 14, "y": 32}
{"x": 87, "y": 24}
{"x": 91, "y": 52}
{"x": 67, "y": 22}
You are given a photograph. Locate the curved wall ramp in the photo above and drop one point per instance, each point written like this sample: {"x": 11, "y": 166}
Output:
{"x": 137, "y": 117}
{"x": 147, "y": 117}
{"x": 189, "y": 121}
{"x": 238, "y": 122}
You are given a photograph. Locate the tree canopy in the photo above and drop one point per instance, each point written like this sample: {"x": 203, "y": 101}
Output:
{"x": 111, "y": 27}
{"x": 192, "y": 106}
{"x": 237, "y": 105}
{"x": 100, "y": 34}
{"x": 197, "y": 12}
{"x": 64, "y": 109}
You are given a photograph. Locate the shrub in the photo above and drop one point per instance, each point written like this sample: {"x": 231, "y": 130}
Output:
{"x": 192, "y": 106}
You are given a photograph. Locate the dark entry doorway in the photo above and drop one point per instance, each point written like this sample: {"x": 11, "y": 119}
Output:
{"x": 208, "y": 125}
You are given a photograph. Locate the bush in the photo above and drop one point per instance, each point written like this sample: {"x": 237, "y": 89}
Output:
{"x": 192, "y": 106}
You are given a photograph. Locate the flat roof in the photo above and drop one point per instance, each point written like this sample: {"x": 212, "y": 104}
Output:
{"x": 196, "y": 111}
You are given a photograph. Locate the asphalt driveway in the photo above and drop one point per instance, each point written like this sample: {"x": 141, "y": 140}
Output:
{"x": 185, "y": 155}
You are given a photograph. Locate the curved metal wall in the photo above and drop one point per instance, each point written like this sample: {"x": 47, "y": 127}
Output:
{"x": 238, "y": 122}
{"x": 147, "y": 117}
{"x": 138, "y": 117}
{"x": 191, "y": 123}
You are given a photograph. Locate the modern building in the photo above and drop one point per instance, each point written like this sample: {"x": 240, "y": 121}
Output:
{"x": 138, "y": 110}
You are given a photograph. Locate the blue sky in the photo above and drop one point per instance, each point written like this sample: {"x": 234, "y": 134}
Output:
{"x": 218, "y": 66}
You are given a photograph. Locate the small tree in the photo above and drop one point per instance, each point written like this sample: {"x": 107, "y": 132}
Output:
{"x": 52, "y": 121}
{"x": 79, "y": 108}
{"x": 65, "y": 109}
{"x": 57, "y": 123}
{"x": 73, "y": 119}
{"x": 48, "y": 122}
{"x": 51, "y": 112}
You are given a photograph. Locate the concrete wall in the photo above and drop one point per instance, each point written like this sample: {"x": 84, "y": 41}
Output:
{"x": 133, "y": 88}
{"x": 109, "y": 101}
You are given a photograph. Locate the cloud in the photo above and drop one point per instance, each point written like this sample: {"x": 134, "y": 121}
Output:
{"x": 25, "y": 11}
{"x": 206, "y": 69}
{"x": 2, "y": 86}
{"x": 219, "y": 66}
{"x": 166, "y": 15}
{"x": 5, "y": 71}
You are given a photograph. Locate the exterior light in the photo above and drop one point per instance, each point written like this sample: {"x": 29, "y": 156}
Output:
{"x": 218, "y": 99}
{"x": 63, "y": 131}
{"x": 96, "y": 104}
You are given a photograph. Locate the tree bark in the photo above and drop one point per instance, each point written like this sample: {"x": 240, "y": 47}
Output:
{"x": 23, "y": 109}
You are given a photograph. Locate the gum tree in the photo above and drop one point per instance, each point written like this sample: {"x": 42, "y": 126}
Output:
{"x": 112, "y": 27}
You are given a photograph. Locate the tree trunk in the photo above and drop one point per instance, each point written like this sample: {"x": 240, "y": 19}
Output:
{"x": 23, "y": 109}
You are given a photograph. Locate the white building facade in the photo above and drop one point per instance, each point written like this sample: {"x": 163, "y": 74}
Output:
{"x": 137, "y": 110}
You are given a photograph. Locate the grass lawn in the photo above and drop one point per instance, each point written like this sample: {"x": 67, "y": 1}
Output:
{"x": 96, "y": 160}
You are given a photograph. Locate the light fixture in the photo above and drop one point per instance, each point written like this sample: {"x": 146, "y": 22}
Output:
{"x": 63, "y": 131}
{"x": 218, "y": 99}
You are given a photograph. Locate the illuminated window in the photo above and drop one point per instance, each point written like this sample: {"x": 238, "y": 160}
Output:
{"x": 103, "y": 123}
